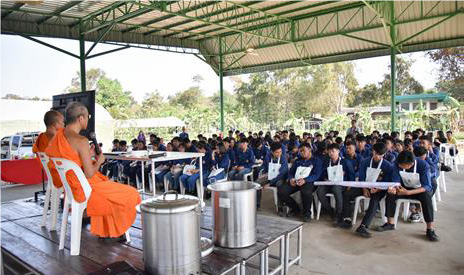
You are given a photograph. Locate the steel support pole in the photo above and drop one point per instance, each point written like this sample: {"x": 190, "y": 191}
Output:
{"x": 393, "y": 65}
{"x": 221, "y": 84}
{"x": 82, "y": 62}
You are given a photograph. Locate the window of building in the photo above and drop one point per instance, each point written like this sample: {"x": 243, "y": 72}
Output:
{"x": 415, "y": 106}
{"x": 405, "y": 106}
{"x": 433, "y": 105}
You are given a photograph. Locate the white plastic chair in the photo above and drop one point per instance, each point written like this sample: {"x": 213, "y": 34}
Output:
{"x": 249, "y": 176}
{"x": 63, "y": 166}
{"x": 319, "y": 205}
{"x": 357, "y": 207}
{"x": 446, "y": 157}
{"x": 406, "y": 203}
{"x": 52, "y": 194}
{"x": 437, "y": 192}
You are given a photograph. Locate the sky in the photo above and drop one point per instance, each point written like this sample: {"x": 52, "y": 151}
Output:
{"x": 30, "y": 69}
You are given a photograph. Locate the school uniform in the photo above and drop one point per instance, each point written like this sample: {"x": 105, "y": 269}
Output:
{"x": 173, "y": 176}
{"x": 340, "y": 170}
{"x": 220, "y": 162}
{"x": 245, "y": 159}
{"x": 189, "y": 181}
{"x": 366, "y": 153}
{"x": 390, "y": 156}
{"x": 183, "y": 135}
{"x": 261, "y": 153}
{"x": 370, "y": 171}
{"x": 355, "y": 162}
{"x": 276, "y": 171}
{"x": 417, "y": 176}
{"x": 285, "y": 190}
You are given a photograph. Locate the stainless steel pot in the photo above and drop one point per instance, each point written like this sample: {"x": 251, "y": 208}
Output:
{"x": 234, "y": 213}
{"x": 171, "y": 234}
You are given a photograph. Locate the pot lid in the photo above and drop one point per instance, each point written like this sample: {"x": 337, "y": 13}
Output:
{"x": 170, "y": 202}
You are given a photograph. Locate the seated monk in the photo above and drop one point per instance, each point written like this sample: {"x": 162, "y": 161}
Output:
{"x": 54, "y": 121}
{"x": 111, "y": 205}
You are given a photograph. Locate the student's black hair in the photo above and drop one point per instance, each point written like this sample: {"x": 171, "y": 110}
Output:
{"x": 399, "y": 142}
{"x": 360, "y": 139}
{"x": 305, "y": 144}
{"x": 284, "y": 132}
{"x": 380, "y": 148}
{"x": 275, "y": 146}
{"x": 407, "y": 142}
{"x": 243, "y": 139}
{"x": 420, "y": 151}
{"x": 321, "y": 147}
{"x": 115, "y": 141}
{"x": 349, "y": 143}
{"x": 333, "y": 146}
{"x": 415, "y": 135}
{"x": 201, "y": 145}
{"x": 122, "y": 143}
{"x": 175, "y": 139}
{"x": 317, "y": 135}
{"x": 222, "y": 149}
{"x": 407, "y": 133}
{"x": 425, "y": 137}
{"x": 405, "y": 157}
{"x": 336, "y": 133}
{"x": 449, "y": 132}
{"x": 339, "y": 140}
{"x": 256, "y": 143}
{"x": 389, "y": 139}
{"x": 152, "y": 135}
{"x": 134, "y": 141}
{"x": 186, "y": 140}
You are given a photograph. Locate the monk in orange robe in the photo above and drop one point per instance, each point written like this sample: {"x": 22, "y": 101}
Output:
{"x": 54, "y": 121}
{"x": 111, "y": 205}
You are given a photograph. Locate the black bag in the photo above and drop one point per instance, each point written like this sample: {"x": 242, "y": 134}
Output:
{"x": 118, "y": 268}
{"x": 445, "y": 168}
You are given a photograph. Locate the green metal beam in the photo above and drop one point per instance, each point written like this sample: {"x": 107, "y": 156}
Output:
{"x": 47, "y": 45}
{"x": 393, "y": 65}
{"x": 15, "y": 7}
{"x": 82, "y": 63}
{"x": 98, "y": 12}
{"x": 99, "y": 39}
{"x": 109, "y": 51}
{"x": 366, "y": 40}
{"x": 221, "y": 84}
{"x": 58, "y": 11}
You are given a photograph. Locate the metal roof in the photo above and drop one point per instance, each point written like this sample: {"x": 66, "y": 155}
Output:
{"x": 250, "y": 36}
{"x": 409, "y": 98}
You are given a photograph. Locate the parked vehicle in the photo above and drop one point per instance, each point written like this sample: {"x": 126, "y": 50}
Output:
{"x": 18, "y": 145}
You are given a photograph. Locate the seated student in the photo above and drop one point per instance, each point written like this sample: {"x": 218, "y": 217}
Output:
{"x": 372, "y": 169}
{"x": 189, "y": 148}
{"x": 244, "y": 161}
{"x": 111, "y": 205}
{"x": 259, "y": 150}
{"x": 407, "y": 145}
{"x": 336, "y": 169}
{"x": 414, "y": 174}
{"x": 177, "y": 169}
{"x": 399, "y": 147}
{"x": 220, "y": 161}
{"x": 163, "y": 168}
{"x": 390, "y": 155}
{"x": 304, "y": 172}
{"x": 415, "y": 138}
{"x": 350, "y": 155}
{"x": 230, "y": 151}
{"x": 189, "y": 180}
{"x": 362, "y": 150}
{"x": 114, "y": 172}
{"x": 341, "y": 145}
{"x": 292, "y": 153}
{"x": 274, "y": 169}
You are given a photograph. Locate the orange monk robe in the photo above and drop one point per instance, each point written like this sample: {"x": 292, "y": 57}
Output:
{"x": 41, "y": 145}
{"x": 111, "y": 205}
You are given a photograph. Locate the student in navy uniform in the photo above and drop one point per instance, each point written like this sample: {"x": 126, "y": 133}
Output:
{"x": 335, "y": 169}
{"x": 220, "y": 160}
{"x": 416, "y": 184}
{"x": 390, "y": 155}
{"x": 189, "y": 181}
{"x": 189, "y": 147}
{"x": 372, "y": 169}
{"x": 292, "y": 153}
{"x": 277, "y": 174}
{"x": 362, "y": 149}
{"x": 177, "y": 169}
{"x": 230, "y": 151}
{"x": 301, "y": 181}
{"x": 184, "y": 135}
{"x": 243, "y": 162}
{"x": 259, "y": 150}
{"x": 350, "y": 155}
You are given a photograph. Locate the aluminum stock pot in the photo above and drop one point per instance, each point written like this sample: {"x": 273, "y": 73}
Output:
{"x": 234, "y": 213}
{"x": 171, "y": 234}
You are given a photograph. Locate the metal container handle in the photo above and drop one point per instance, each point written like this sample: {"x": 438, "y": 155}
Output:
{"x": 257, "y": 186}
{"x": 170, "y": 192}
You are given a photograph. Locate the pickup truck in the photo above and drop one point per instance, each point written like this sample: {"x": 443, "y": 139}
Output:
{"x": 18, "y": 145}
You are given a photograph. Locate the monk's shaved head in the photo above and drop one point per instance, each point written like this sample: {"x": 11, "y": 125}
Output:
{"x": 73, "y": 111}
{"x": 52, "y": 117}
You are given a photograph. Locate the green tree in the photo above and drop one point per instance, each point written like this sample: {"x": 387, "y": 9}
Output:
{"x": 111, "y": 96}
{"x": 92, "y": 77}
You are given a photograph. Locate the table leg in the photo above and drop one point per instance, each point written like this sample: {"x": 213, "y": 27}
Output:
{"x": 200, "y": 192}
{"x": 153, "y": 177}
{"x": 243, "y": 268}
{"x": 143, "y": 177}
{"x": 282, "y": 256}
{"x": 287, "y": 253}
{"x": 300, "y": 239}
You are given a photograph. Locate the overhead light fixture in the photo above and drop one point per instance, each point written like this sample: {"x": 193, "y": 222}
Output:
{"x": 30, "y": 2}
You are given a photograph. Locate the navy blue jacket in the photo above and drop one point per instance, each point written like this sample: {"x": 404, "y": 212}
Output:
{"x": 348, "y": 170}
{"x": 422, "y": 169}
{"x": 316, "y": 172}
{"x": 283, "y": 171}
{"x": 222, "y": 161}
{"x": 261, "y": 153}
{"x": 245, "y": 159}
{"x": 385, "y": 174}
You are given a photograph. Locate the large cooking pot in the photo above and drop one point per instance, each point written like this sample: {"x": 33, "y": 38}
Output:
{"x": 171, "y": 234}
{"x": 234, "y": 213}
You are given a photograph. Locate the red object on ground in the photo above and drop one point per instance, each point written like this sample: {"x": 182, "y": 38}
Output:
{"x": 26, "y": 171}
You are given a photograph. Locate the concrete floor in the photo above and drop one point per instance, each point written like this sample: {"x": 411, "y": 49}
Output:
{"x": 329, "y": 250}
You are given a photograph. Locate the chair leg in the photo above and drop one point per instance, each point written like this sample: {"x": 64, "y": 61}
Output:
{"x": 76, "y": 228}
{"x": 319, "y": 205}
{"x": 434, "y": 202}
{"x": 397, "y": 211}
{"x": 443, "y": 180}
{"x": 128, "y": 237}
{"x": 55, "y": 204}
{"x": 355, "y": 210}
{"x": 438, "y": 191}
{"x": 166, "y": 185}
{"x": 182, "y": 188}
{"x": 383, "y": 210}
{"x": 406, "y": 211}
{"x": 64, "y": 223}
{"x": 46, "y": 204}
{"x": 276, "y": 199}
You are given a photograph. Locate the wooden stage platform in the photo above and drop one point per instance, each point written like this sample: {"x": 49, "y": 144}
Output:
{"x": 35, "y": 247}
